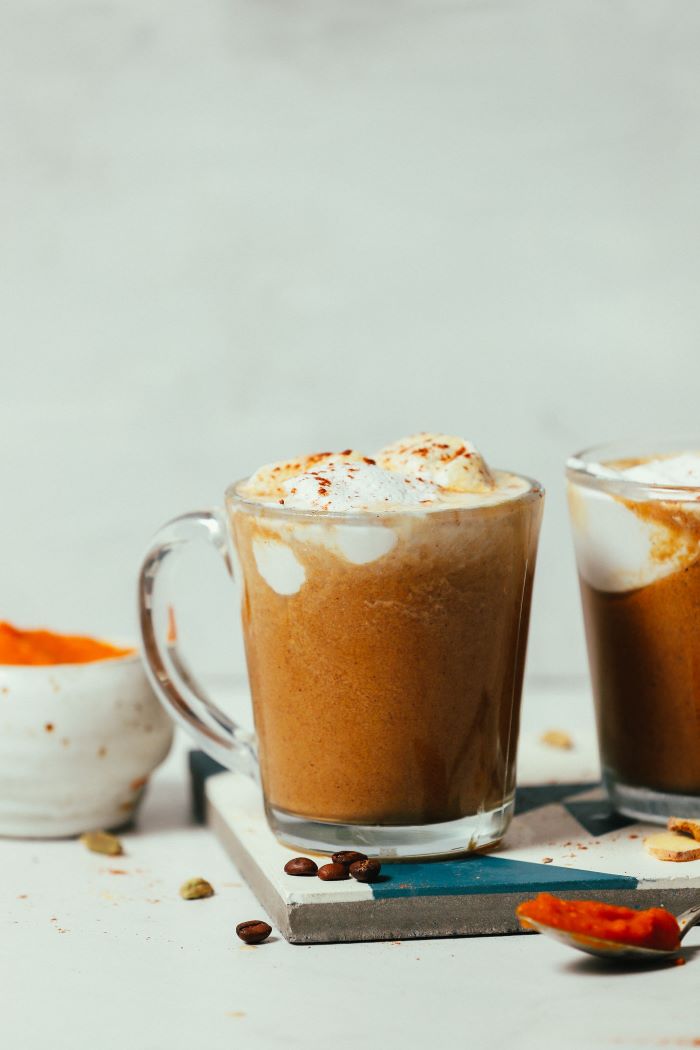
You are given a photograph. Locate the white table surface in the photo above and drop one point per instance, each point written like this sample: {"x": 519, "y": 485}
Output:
{"x": 89, "y": 958}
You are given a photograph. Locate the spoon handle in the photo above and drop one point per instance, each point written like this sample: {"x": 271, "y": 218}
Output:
{"x": 688, "y": 918}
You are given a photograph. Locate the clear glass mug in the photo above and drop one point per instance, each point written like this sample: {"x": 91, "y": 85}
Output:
{"x": 385, "y": 655}
{"x": 638, "y": 554}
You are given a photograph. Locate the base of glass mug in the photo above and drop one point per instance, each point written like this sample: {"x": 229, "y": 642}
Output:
{"x": 394, "y": 842}
{"x": 654, "y": 807}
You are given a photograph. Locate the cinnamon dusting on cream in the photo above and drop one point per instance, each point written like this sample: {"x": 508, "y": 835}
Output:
{"x": 426, "y": 471}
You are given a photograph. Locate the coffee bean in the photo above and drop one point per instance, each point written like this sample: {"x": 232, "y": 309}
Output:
{"x": 301, "y": 866}
{"x": 365, "y": 870}
{"x": 332, "y": 872}
{"x": 254, "y": 931}
{"x": 348, "y": 857}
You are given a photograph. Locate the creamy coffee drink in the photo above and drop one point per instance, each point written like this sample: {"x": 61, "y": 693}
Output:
{"x": 385, "y": 611}
{"x": 636, "y": 525}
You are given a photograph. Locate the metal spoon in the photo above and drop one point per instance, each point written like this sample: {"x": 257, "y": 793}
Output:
{"x": 606, "y": 949}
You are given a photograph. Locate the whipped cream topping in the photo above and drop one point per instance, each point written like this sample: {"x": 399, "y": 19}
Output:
{"x": 425, "y": 471}
{"x": 683, "y": 469}
{"x": 347, "y": 486}
{"x": 267, "y": 482}
{"x": 450, "y": 462}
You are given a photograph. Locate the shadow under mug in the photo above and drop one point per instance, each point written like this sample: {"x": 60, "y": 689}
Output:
{"x": 385, "y": 655}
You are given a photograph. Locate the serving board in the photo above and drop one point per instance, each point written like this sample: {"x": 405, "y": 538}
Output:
{"x": 564, "y": 839}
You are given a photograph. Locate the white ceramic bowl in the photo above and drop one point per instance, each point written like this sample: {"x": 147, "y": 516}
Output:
{"x": 78, "y": 743}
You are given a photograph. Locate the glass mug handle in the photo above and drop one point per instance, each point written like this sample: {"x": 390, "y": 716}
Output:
{"x": 179, "y": 692}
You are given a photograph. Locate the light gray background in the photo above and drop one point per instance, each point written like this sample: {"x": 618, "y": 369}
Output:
{"x": 232, "y": 231}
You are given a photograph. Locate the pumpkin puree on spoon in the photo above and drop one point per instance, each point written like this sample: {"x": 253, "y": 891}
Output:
{"x": 653, "y": 928}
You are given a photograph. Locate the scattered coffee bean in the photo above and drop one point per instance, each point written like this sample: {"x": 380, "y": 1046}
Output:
{"x": 365, "y": 870}
{"x": 195, "y": 889}
{"x": 332, "y": 872}
{"x": 301, "y": 866}
{"x": 348, "y": 857}
{"x": 254, "y": 931}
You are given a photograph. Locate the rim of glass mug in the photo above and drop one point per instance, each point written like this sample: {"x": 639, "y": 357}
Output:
{"x": 364, "y": 517}
{"x": 589, "y": 469}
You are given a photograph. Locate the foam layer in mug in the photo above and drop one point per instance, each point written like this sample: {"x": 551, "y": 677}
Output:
{"x": 620, "y": 545}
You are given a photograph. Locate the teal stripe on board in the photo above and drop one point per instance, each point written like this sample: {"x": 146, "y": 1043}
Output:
{"x": 475, "y": 875}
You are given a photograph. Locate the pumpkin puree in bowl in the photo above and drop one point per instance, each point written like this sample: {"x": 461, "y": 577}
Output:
{"x": 42, "y": 648}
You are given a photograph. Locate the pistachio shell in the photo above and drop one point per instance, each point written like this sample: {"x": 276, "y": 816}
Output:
{"x": 194, "y": 889}
{"x": 102, "y": 842}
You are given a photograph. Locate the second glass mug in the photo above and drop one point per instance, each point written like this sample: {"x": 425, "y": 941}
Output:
{"x": 637, "y": 547}
{"x": 385, "y": 655}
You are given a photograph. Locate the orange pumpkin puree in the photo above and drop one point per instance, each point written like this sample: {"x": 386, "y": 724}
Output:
{"x": 653, "y": 928}
{"x": 45, "y": 647}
